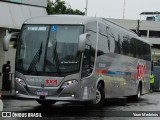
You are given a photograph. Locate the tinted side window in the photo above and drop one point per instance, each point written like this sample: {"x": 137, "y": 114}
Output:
{"x": 133, "y": 48}
{"x": 125, "y": 45}
{"x": 147, "y": 52}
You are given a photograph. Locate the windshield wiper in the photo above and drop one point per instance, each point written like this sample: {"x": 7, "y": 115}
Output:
{"x": 35, "y": 60}
{"x": 56, "y": 59}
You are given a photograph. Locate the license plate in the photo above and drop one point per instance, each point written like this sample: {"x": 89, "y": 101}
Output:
{"x": 42, "y": 92}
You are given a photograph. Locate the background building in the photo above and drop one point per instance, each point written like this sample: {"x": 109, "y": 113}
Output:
{"x": 13, "y": 14}
{"x": 149, "y": 29}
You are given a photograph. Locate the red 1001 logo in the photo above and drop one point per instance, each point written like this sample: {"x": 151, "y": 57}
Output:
{"x": 51, "y": 82}
{"x": 140, "y": 70}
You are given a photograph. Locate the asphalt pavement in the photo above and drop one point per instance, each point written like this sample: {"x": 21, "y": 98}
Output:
{"x": 148, "y": 108}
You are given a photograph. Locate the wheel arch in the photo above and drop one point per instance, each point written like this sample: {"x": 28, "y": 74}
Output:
{"x": 100, "y": 95}
{"x": 100, "y": 82}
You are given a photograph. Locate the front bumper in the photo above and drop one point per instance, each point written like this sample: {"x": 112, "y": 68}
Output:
{"x": 70, "y": 93}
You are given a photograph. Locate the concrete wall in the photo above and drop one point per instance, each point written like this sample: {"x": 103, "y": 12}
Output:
{"x": 10, "y": 55}
{"x": 14, "y": 15}
{"x": 132, "y": 24}
{"x": 42, "y": 3}
{"x": 2, "y": 53}
{"x": 143, "y": 25}
{"x": 6, "y": 55}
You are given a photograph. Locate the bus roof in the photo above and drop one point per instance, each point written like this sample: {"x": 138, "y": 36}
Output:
{"x": 60, "y": 19}
{"x": 77, "y": 20}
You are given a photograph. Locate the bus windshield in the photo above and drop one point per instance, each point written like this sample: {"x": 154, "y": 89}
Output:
{"x": 48, "y": 49}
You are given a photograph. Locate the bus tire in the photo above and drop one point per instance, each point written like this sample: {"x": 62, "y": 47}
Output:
{"x": 135, "y": 97}
{"x": 46, "y": 103}
{"x": 100, "y": 98}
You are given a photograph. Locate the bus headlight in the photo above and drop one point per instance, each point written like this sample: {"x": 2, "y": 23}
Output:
{"x": 19, "y": 80}
{"x": 69, "y": 83}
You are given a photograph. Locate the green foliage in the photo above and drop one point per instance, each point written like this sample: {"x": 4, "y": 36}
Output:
{"x": 59, "y": 7}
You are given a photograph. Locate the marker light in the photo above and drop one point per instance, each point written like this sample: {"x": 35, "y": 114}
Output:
{"x": 22, "y": 82}
{"x": 17, "y": 92}
{"x": 69, "y": 83}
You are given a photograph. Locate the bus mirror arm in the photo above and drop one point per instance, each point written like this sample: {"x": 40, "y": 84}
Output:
{"x": 7, "y": 39}
{"x": 82, "y": 41}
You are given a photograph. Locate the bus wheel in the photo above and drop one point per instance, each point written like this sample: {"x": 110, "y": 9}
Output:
{"x": 100, "y": 98}
{"x": 135, "y": 97}
{"x": 46, "y": 102}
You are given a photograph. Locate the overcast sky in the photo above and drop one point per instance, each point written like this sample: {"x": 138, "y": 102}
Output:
{"x": 114, "y": 8}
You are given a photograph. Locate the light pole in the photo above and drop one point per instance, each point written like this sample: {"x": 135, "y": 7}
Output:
{"x": 86, "y": 7}
{"x": 124, "y": 4}
{"x": 137, "y": 30}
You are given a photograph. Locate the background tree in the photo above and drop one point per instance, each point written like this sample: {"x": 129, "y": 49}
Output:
{"x": 59, "y": 7}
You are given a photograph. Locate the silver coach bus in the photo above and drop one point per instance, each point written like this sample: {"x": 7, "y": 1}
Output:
{"x": 79, "y": 58}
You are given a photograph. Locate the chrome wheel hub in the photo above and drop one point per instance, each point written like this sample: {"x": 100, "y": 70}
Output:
{"x": 98, "y": 98}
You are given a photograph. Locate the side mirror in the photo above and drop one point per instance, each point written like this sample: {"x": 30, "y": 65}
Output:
{"x": 82, "y": 41}
{"x": 7, "y": 39}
